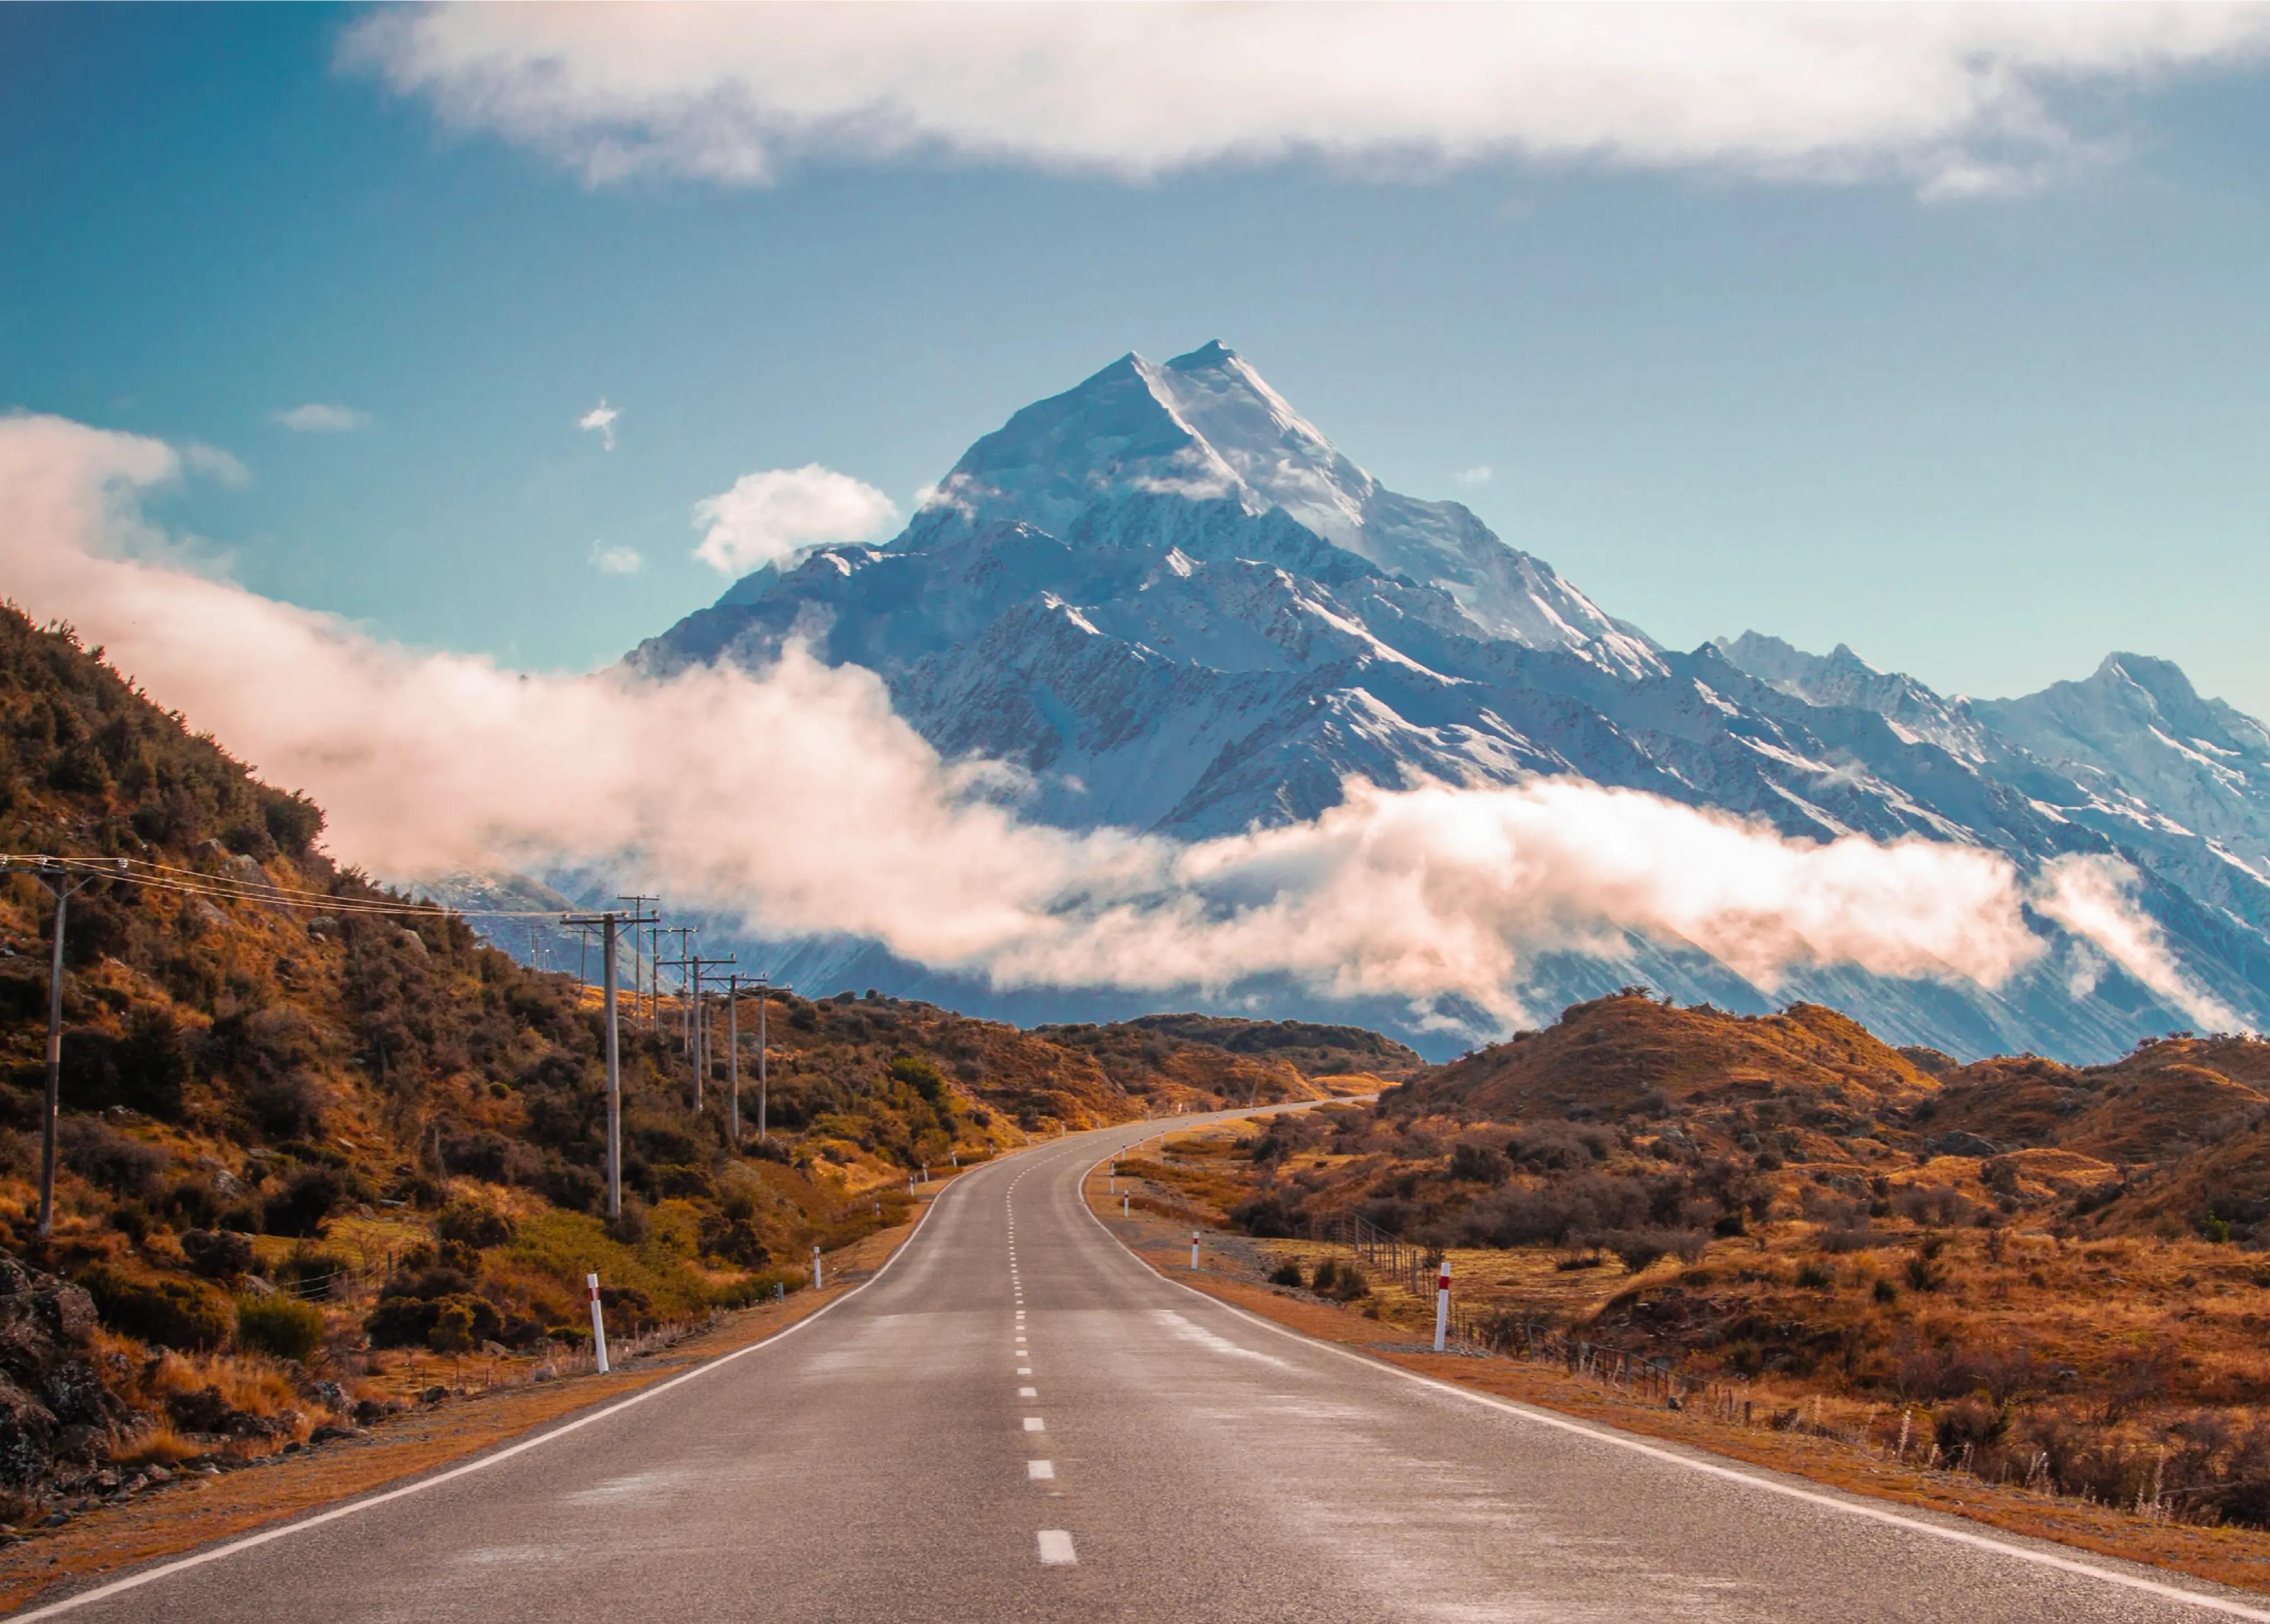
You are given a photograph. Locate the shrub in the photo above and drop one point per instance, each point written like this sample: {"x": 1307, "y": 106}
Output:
{"x": 1924, "y": 1275}
{"x": 306, "y": 1200}
{"x": 1813, "y": 1276}
{"x": 1286, "y": 1273}
{"x": 218, "y": 1255}
{"x": 181, "y": 1314}
{"x": 1886, "y": 1292}
{"x": 1477, "y": 1163}
{"x": 305, "y": 1267}
{"x": 921, "y": 1076}
{"x": 473, "y": 1225}
{"x": 279, "y": 1325}
{"x": 101, "y": 1155}
{"x": 1639, "y": 1248}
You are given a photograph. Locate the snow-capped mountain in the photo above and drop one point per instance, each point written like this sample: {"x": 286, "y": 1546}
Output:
{"x": 1167, "y": 595}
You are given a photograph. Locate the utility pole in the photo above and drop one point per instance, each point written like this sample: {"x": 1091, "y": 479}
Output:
{"x": 764, "y": 1000}
{"x": 637, "y": 910}
{"x": 733, "y": 1059}
{"x": 56, "y": 878}
{"x": 697, "y": 1024}
{"x": 684, "y": 933}
{"x": 607, "y": 923}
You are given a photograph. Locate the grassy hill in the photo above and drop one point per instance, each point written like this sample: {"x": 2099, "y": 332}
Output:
{"x": 2046, "y": 1273}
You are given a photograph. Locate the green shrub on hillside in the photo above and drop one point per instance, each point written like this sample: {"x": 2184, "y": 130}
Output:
{"x": 279, "y": 1325}
{"x": 175, "y": 1313}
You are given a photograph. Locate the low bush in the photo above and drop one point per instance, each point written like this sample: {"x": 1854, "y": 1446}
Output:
{"x": 282, "y": 1326}
{"x": 1286, "y": 1274}
{"x": 218, "y": 1255}
{"x": 306, "y": 1202}
{"x": 182, "y": 1314}
{"x": 473, "y": 1225}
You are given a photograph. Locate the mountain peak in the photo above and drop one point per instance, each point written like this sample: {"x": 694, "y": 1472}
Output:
{"x": 1212, "y": 355}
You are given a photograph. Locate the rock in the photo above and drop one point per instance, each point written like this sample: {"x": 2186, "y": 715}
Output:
{"x": 329, "y": 1433}
{"x": 294, "y": 1446}
{"x": 157, "y": 1474}
{"x": 1961, "y": 1143}
{"x": 203, "y": 1411}
{"x": 54, "y": 1519}
{"x": 411, "y": 942}
{"x": 434, "y": 1395}
{"x": 244, "y": 870}
{"x": 369, "y": 1410}
{"x": 496, "y": 1350}
{"x": 544, "y": 1372}
{"x": 82, "y": 1443}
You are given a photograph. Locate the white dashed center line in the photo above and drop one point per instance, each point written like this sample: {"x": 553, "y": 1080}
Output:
{"x": 1041, "y": 1471}
{"x": 1024, "y": 1370}
{"x": 1033, "y": 1423}
{"x": 1028, "y": 1392}
{"x": 1056, "y": 1548}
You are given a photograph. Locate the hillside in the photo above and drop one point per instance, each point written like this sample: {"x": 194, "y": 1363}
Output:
{"x": 1616, "y": 1055}
{"x": 2047, "y": 1274}
{"x": 308, "y": 1121}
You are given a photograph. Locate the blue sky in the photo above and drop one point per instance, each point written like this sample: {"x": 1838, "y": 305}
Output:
{"x": 1981, "y": 438}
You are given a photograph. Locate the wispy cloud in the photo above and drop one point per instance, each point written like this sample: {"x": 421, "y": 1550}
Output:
{"x": 1479, "y": 474}
{"x": 315, "y": 418}
{"x": 601, "y": 420}
{"x": 617, "y": 560}
{"x": 771, "y": 517}
{"x": 1416, "y": 893}
{"x": 1955, "y": 100}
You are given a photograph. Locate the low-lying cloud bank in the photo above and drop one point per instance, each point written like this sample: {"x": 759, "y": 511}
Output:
{"x": 1957, "y": 99}
{"x": 798, "y": 799}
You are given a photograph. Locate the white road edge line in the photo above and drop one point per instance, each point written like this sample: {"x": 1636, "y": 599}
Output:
{"x": 1624, "y": 1440}
{"x": 1055, "y": 1549}
{"x": 199, "y": 1559}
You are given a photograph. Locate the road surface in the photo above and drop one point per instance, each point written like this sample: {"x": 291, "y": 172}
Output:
{"x": 1018, "y": 1420}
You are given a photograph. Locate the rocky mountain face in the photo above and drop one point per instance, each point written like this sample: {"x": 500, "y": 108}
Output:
{"x": 1170, "y": 599}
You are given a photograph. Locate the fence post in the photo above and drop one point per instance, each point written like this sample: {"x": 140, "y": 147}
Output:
{"x": 598, "y": 1322}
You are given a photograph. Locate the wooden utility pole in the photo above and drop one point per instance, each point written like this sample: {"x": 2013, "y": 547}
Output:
{"x": 608, "y": 923}
{"x": 57, "y": 879}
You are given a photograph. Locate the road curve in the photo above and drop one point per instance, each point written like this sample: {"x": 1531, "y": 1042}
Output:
{"x": 1018, "y": 1421}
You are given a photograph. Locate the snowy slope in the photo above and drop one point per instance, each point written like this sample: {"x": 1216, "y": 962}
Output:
{"x": 1167, "y": 595}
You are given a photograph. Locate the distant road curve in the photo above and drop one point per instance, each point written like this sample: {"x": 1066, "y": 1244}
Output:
{"x": 1017, "y": 1419}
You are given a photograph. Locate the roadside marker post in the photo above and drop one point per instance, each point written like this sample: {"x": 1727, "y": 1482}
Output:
{"x": 1122, "y": 1207}
{"x": 815, "y": 1268}
{"x": 1194, "y": 1249}
{"x": 1443, "y": 1304}
{"x": 598, "y": 1322}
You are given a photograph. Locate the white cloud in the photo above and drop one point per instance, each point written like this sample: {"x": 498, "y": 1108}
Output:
{"x": 1479, "y": 474}
{"x": 432, "y": 762}
{"x": 602, "y": 419}
{"x": 1959, "y": 100}
{"x": 315, "y": 417}
{"x": 770, "y": 517}
{"x": 617, "y": 560}
{"x": 2094, "y": 897}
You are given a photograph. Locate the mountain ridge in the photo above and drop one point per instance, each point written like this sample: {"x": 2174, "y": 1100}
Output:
{"x": 1171, "y": 600}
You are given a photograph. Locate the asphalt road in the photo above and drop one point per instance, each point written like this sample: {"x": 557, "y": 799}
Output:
{"x": 1018, "y": 1420}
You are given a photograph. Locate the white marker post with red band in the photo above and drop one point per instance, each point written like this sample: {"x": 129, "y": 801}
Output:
{"x": 1194, "y": 1249}
{"x": 598, "y": 1322}
{"x": 1442, "y": 1304}
{"x": 815, "y": 1268}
